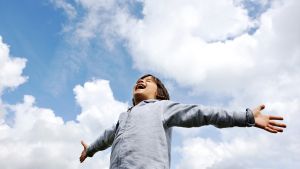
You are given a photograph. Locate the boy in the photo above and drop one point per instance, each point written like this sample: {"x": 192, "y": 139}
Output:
{"x": 142, "y": 136}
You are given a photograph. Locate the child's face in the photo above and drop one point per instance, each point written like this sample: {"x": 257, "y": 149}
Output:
{"x": 144, "y": 89}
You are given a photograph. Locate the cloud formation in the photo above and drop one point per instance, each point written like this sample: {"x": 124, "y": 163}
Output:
{"x": 10, "y": 69}
{"x": 99, "y": 107}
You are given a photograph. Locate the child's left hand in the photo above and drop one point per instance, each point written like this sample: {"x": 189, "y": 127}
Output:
{"x": 267, "y": 122}
{"x": 83, "y": 155}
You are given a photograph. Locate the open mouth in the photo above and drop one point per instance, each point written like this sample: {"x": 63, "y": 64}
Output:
{"x": 140, "y": 86}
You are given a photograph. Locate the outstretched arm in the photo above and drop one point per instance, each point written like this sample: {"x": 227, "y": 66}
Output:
{"x": 103, "y": 142}
{"x": 267, "y": 122}
{"x": 188, "y": 115}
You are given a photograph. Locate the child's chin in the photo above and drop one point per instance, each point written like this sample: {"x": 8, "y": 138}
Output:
{"x": 139, "y": 91}
{"x": 139, "y": 94}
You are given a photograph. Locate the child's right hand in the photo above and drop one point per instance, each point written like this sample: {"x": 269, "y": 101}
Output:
{"x": 84, "y": 152}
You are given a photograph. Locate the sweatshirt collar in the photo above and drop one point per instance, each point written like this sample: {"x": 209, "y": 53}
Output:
{"x": 147, "y": 101}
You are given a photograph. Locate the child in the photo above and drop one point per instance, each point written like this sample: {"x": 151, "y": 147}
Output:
{"x": 142, "y": 136}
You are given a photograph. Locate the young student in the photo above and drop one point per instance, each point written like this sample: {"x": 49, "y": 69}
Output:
{"x": 141, "y": 138}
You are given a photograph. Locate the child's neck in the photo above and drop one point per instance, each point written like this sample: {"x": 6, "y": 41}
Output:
{"x": 139, "y": 101}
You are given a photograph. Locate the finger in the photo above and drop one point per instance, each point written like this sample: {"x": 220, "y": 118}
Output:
{"x": 270, "y": 130}
{"x": 275, "y": 128}
{"x": 277, "y": 124}
{"x": 275, "y": 117}
{"x": 81, "y": 159}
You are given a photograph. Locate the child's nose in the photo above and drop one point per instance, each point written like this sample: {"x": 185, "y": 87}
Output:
{"x": 140, "y": 80}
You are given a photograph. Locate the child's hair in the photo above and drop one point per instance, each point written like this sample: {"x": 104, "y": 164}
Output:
{"x": 162, "y": 92}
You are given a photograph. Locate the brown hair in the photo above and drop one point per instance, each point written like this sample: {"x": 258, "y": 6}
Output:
{"x": 162, "y": 92}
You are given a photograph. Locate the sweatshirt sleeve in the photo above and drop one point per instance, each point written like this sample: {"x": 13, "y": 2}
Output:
{"x": 103, "y": 142}
{"x": 188, "y": 115}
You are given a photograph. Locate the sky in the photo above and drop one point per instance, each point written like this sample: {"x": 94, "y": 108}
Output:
{"x": 67, "y": 69}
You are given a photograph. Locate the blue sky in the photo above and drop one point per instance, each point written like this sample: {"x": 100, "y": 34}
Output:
{"x": 230, "y": 53}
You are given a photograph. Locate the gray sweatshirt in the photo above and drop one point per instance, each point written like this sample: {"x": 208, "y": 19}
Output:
{"x": 141, "y": 139}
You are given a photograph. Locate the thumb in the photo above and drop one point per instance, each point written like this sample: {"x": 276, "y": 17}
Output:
{"x": 261, "y": 107}
{"x": 84, "y": 145}
{"x": 258, "y": 110}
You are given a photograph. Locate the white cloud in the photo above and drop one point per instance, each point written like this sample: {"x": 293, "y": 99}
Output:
{"x": 38, "y": 138}
{"x": 93, "y": 22}
{"x": 99, "y": 108}
{"x": 180, "y": 32}
{"x": 207, "y": 153}
{"x": 252, "y": 153}
{"x": 10, "y": 69}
